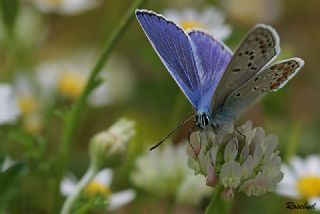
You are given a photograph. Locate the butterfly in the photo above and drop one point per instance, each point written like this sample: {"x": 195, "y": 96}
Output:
{"x": 218, "y": 83}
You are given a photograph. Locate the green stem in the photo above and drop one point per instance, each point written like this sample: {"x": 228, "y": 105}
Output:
{"x": 293, "y": 141}
{"x": 72, "y": 117}
{"x": 85, "y": 180}
{"x": 215, "y": 196}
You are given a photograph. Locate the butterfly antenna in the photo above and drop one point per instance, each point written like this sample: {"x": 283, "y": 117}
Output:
{"x": 173, "y": 131}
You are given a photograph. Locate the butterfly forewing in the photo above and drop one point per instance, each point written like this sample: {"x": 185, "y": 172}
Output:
{"x": 256, "y": 51}
{"x": 195, "y": 60}
{"x": 269, "y": 79}
{"x": 174, "y": 49}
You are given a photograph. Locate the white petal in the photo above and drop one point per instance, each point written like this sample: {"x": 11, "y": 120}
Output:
{"x": 288, "y": 190}
{"x": 100, "y": 96}
{"x": 76, "y": 6}
{"x": 298, "y": 166}
{"x": 104, "y": 177}
{"x": 312, "y": 165}
{"x": 316, "y": 201}
{"x": 8, "y": 162}
{"x": 9, "y": 110}
{"x": 68, "y": 185}
{"x": 121, "y": 198}
{"x": 289, "y": 176}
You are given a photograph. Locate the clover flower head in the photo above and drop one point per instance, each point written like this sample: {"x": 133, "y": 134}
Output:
{"x": 245, "y": 160}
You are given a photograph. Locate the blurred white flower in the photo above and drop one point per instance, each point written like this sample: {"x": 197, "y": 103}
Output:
{"x": 252, "y": 11}
{"x": 210, "y": 19}
{"x": 7, "y": 163}
{"x": 9, "y": 110}
{"x": 65, "y": 7}
{"x": 30, "y": 102}
{"x": 99, "y": 185}
{"x": 302, "y": 179}
{"x": 165, "y": 173}
{"x": 68, "y": 77}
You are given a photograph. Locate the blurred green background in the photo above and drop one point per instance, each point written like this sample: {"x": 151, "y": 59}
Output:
{"x": 155, "y": 102}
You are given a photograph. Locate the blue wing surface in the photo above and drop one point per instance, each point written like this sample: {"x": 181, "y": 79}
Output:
{"x": 173, "y": 46}
{"x": 213, "y": 58}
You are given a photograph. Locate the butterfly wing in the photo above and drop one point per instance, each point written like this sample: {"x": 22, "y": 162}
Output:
{"x": 255, "y": 52}
{"x": 173, "y": 46}
{"x": 212, "y": 57}
{"x": 269, "y": 79}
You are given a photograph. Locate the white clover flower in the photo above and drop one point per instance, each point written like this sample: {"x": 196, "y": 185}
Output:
{"x": 65, "y": 7}
{"x": 301, "y": 179}
{"x": 99, "y": 185}
{"x": 164, "y": 172}
{"x": 210, "y": 19}
{"x": 68, "y": 77}
{"x": 246, "y": 162}
{"x": 9, "y": 111}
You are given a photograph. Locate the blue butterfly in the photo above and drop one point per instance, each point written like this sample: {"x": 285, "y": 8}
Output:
{"x": 218, "y": 84}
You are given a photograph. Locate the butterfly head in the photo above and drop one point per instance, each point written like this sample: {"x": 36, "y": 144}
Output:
{"x": 203, "y": 120}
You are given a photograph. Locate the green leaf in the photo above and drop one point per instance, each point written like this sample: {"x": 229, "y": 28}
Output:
{"x": 10, "y": 177}
{"x": 9, "y": 12}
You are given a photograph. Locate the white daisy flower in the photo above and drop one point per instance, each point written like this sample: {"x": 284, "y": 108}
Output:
{"x": 69, "y": 76}
{"x": 65, "y": 7}
{"x": 168, "y": 165}
{"x": 9, "y": 111}
{"x": 210, "y": 19}
{"x": 100, "y": 184}
{"x": 30, "y": 102}
{"x": 302, "y": 179}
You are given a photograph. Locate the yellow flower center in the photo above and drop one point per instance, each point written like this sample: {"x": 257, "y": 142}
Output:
{"x": 71, "y": 84}
{"x": 187, "y": 24}
{"x": 309, "y": 186}
{"x": 27, "y": 104}
{"x": 95, "y": 188}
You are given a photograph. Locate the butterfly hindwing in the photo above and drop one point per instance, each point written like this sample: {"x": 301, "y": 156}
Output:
{"x": 255, "y": 52}
{"x": 173, "y": 46}
{"x": 269, "y": 79}
{"x": 212, "y": 57}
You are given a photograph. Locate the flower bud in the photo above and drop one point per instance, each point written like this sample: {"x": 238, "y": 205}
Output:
{"x": 108, "y": 148}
